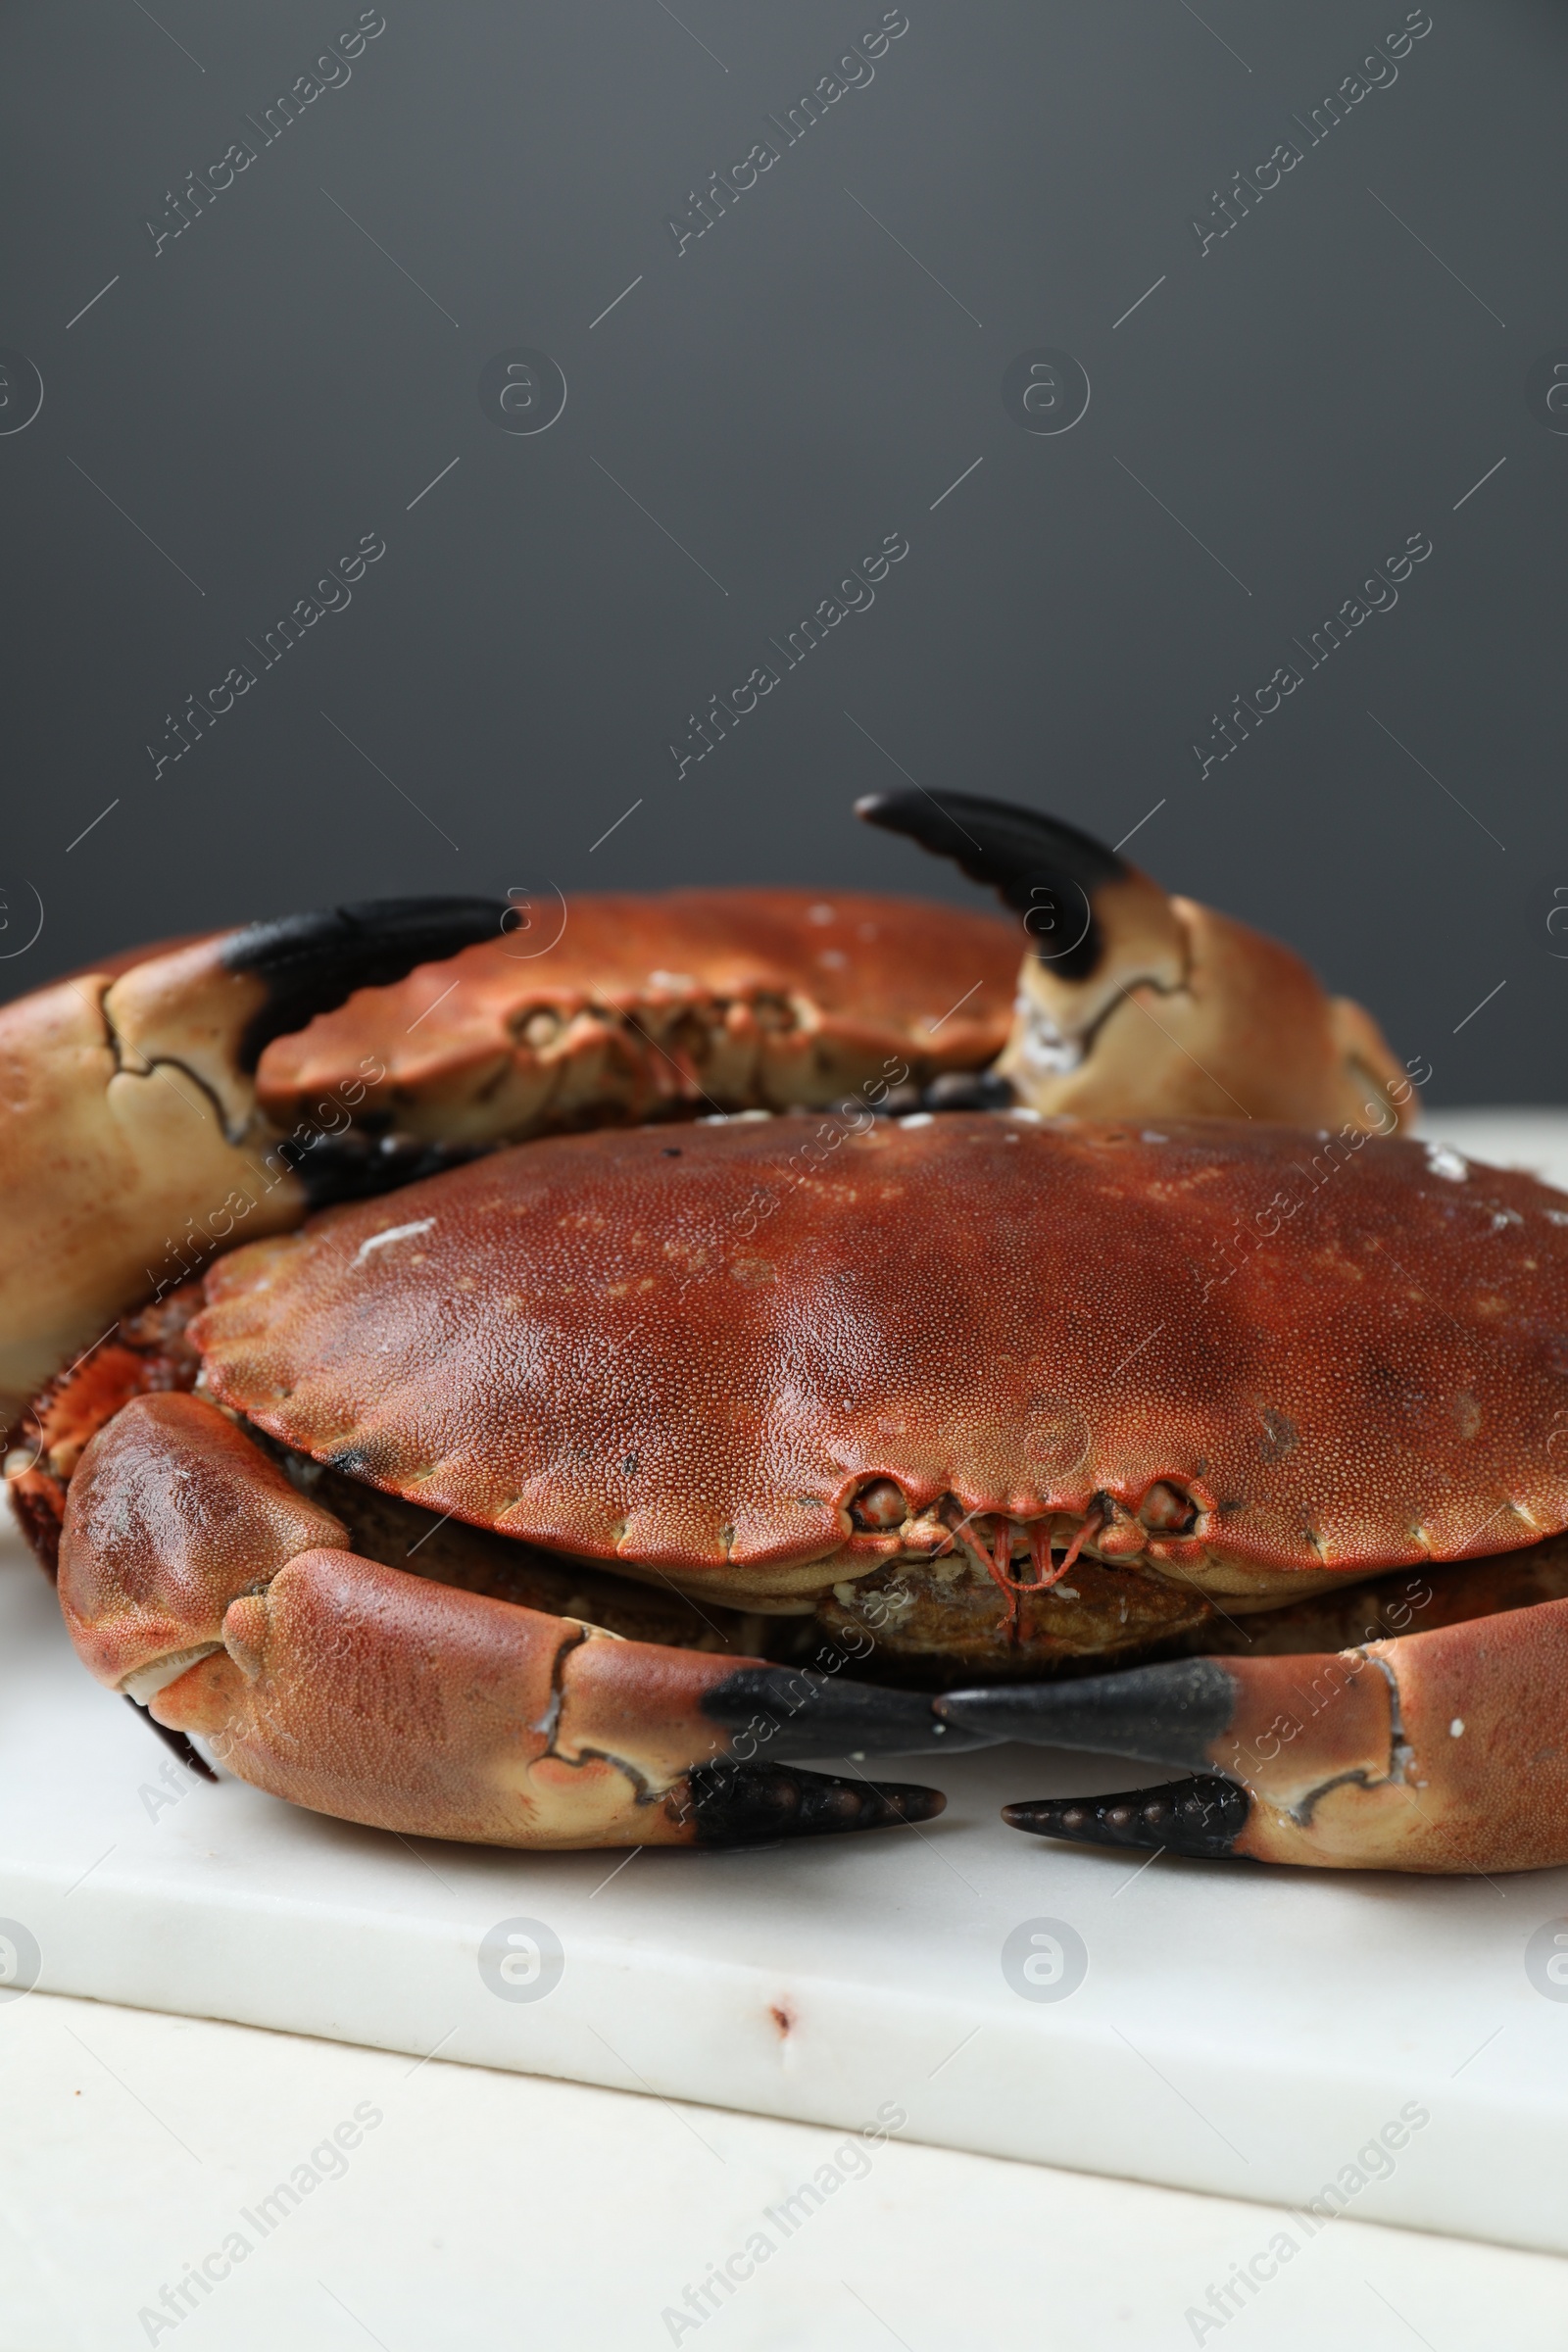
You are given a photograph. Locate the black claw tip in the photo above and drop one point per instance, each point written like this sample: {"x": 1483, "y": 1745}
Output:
{"x": 1042, "y": 867}
{"x": 176, "y": 1740}
{"x": 821, "y": 1714}
{"x": 311, "y": 963}
{"x": 1170, "y": 1714}
{"x": 1203, "y": 1817}
{"x": 751, "y": 1805}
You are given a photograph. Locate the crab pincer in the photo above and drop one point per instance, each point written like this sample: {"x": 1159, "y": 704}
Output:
{"x": 1133, "y": 1003}
{"x": 132, "y": 1142}
{"x": 196, "y": 1579}
{"x": 1436, "y": 1751}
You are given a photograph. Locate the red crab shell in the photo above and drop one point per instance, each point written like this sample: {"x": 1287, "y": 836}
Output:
{"x": 779, "y": 995}
{"x": 692, "y": 1353}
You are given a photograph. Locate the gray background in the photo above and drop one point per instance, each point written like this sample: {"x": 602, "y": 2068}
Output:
{"x": 780, "y": 395}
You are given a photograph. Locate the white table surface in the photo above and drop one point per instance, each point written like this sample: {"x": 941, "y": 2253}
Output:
{"x": 504, "y": 2205}
{"x": 507, "y": 2210}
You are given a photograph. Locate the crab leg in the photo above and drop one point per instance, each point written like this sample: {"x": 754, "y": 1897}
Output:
{"x": 197, "y": 1581}
{"x": 1445, "y": 1751}
{"x": 1136, "y": 1005}
{"x": 131, "y": 1145}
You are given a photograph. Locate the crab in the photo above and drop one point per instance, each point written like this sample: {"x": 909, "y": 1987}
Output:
{"x": 170, "y": 1100}
{"x": 571, "y": 1496}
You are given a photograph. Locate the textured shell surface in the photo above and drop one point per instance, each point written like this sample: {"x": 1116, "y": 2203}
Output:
{"x": 691, "y": 1345}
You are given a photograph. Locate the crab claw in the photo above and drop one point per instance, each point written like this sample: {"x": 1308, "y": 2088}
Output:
{"x": 132, "y": 1145}
{"x": 1437, "y": 1752}
{"x": 196, "y": 1579}
{"x": 1133, "y": 1004}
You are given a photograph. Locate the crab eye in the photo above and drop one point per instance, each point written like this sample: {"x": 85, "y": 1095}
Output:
{"x": 1168, "y": 1509}
{"x": 540, "y": 1028}
{"x": 880, "y": 1503}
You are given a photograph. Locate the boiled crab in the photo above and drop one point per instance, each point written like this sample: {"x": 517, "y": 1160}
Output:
{"x": 549, "y": 1500}
{"x": 561, "y": 1498}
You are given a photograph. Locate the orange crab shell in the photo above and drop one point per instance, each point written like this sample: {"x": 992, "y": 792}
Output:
{"x": 777, "y": 996}
{"x": 690, "y": 1348}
